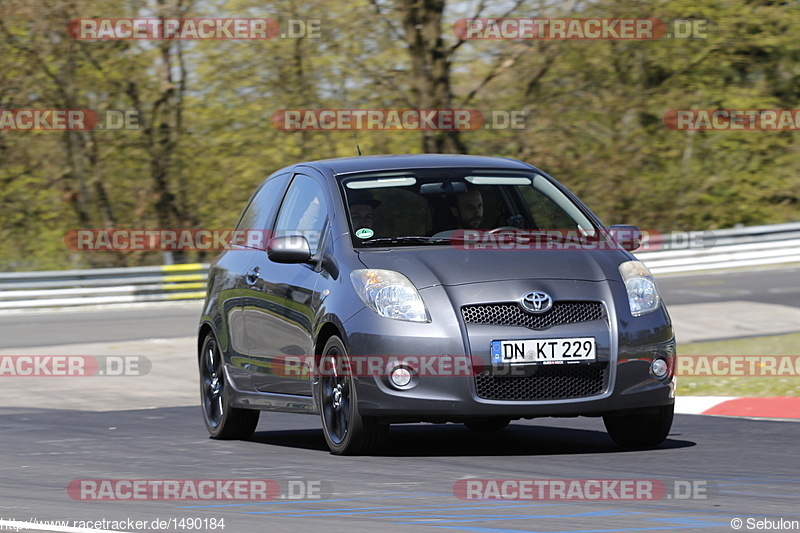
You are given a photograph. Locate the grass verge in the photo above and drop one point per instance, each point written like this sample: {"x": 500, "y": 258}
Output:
{"x": 786, "y": 383}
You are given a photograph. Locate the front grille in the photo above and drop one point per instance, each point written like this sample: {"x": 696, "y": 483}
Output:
{"x": 511, "y": 314}
{"x": 546, "y": 382}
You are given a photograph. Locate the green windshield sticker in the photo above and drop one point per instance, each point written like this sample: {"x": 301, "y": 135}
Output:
{"x": 364, "y": 233}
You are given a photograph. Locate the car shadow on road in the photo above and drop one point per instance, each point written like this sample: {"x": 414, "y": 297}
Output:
{"x": 433, "y": 440}
{"x": 305, "y": 439}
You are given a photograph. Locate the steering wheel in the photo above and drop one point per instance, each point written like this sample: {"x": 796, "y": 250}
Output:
{"x": 503, "y": 228}
{"x": 446, "y": 234}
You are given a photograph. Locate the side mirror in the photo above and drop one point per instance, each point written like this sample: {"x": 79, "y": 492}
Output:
{"x": 289, "y": 249}
{"x": 629, "y": 237}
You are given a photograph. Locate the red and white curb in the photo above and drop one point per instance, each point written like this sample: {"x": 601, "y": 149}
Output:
{"x": 775, "y": 407}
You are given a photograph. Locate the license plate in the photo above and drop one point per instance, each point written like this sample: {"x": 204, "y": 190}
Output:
{"x": 543, "y": 351}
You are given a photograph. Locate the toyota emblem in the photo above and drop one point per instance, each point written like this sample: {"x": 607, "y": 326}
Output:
{"x": 536, "y": 302}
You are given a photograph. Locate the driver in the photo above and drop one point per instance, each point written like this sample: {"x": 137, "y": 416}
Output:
{"x": 468, "y": 209}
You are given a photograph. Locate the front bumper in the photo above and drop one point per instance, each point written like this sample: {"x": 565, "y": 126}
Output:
{"x": 628, "y": 383}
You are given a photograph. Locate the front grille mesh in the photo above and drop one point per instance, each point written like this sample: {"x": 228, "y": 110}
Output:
{"x": 546, "y": 382}
{"x": 511, "y": 314}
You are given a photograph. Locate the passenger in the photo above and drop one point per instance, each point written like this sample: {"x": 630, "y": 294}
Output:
{"x": 362, "y": 206}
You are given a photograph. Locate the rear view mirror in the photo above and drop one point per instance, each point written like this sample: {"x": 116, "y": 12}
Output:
{"x": 289, "y": 249}
{"x": 629, "y": 237}
{"x": 443, "y": 187}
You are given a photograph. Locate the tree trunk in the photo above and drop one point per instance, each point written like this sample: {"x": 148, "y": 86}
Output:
{"x": 430, "y": 68}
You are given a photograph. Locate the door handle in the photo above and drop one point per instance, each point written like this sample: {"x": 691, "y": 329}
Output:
{"x": 252, "y": 276}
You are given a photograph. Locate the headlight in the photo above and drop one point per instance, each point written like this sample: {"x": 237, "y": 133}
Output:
{"x": 642, "y": 292}
{"x": 389, "y": 294}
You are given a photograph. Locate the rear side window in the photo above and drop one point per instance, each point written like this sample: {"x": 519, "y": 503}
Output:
{"x": 260, "y": 212}
{"x": 303, "y": 212}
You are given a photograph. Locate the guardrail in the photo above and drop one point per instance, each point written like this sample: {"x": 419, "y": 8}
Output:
{"x": 57, "y": 288}
{"x": 680, "y": 252}
{"x": 728, "y": 248}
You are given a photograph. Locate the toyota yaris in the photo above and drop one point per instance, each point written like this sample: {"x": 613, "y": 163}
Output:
{"x": 431, "y": 288}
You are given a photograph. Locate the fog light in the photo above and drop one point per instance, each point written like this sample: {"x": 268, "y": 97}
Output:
{"x": 400, "y": 377}
{"x": 659, "y": 368}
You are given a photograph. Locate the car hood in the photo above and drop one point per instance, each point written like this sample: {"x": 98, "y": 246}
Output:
{"x": 427, "y": 267}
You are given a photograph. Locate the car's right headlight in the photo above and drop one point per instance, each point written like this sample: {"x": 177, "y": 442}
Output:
{"x": 641, "y": 286}
{"x": 389, "y": 294}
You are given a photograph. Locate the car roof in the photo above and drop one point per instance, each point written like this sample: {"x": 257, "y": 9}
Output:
{"x": 348, "y": 165}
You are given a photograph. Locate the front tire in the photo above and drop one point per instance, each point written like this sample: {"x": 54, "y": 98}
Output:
{"x": 646, "y": 430}
{"x": 223, "y": 421}
{"x": 346, "y": 431}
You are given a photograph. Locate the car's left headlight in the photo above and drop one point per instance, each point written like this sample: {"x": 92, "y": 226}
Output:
{"x": 389, "y": 294}
{"x": 641, "y": 286}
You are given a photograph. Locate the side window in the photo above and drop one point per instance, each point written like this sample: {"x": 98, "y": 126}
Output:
{"x": 304, "y": 211}
{"x": 260, "y": 212}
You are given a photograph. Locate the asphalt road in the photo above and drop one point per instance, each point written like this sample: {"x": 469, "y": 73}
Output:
{"x": 740, "y": 468}
{"x": 774, "y": 286}
{"x": 777, "y": 286}
{"x": 104, "y": 325}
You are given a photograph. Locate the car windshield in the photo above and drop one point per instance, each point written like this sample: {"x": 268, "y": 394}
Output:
{"x": 434, "y": 206}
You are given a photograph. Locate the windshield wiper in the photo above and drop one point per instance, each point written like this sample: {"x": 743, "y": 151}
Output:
{"x": 405, "y": 239}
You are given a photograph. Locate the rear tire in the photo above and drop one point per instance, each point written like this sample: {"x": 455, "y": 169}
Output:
{"x": 640, "y": 430}
{"x": 346, "y": 431}
{"x": 222, "y": 421}
{"x": 487, "y": 424}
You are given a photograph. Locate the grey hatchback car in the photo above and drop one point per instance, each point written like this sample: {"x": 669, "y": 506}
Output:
{"x": 431, "y": 288}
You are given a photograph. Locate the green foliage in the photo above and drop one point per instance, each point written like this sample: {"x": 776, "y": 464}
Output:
{"x": 594, "y": 114}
